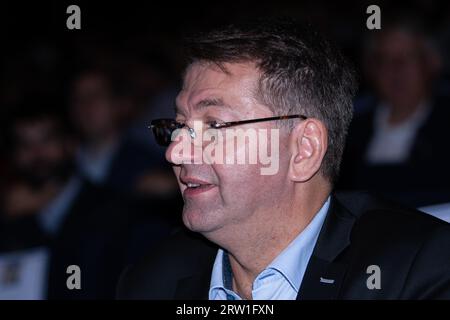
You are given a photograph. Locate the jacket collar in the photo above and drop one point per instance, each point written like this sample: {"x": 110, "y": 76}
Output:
{"x": 194, "y": 287}
{"x": 326, "y": 270}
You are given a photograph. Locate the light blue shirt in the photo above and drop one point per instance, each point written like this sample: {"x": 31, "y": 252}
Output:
{"x": 96, "y": 167}
{"x": 282, "y": 278}
{"x": 52, "y": 216}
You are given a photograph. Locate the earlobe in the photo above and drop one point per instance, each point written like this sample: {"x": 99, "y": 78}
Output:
{"x": 308, "y": 145}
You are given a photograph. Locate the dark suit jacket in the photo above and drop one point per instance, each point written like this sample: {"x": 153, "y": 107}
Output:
{"x": 411, "y": 249}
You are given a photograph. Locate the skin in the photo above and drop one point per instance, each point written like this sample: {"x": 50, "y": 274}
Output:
{"x": 39, "y": 152}
{"x": 401, "y": 72}
{"x": 94, "y": 110}
{"x": 252, "y": 216}
{"x": 39, "y": 149}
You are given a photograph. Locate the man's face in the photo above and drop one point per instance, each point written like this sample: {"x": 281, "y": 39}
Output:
{"x": 231, "y": 196}
{"x": 400, "y": 72}
{"x": 93, "y": 107}
{"x": 40, "y": 152}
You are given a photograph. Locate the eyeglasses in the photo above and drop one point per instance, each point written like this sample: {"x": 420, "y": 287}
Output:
{"x": 164, "y": 128}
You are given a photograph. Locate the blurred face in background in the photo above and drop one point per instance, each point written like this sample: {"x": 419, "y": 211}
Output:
{"x": 400, "y": 69}
{"x": 41, "y": 153}
{"x": 93, "y": 107}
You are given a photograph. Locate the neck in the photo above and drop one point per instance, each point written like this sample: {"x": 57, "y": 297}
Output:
{"x": 252, "y": 246}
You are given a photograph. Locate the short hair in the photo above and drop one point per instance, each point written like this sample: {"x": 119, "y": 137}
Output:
{"x": 301, "y": 73}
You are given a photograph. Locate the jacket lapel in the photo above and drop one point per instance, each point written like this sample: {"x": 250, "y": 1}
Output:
{"x": 195, "y": 287}
{"x": 325, "y": 273}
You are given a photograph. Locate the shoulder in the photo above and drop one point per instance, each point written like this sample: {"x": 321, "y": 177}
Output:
{"x": 384, "y": 219}
{"x": 157, "y": 274}
{"x": 376, "y": 211}
{"x": 411, "y": 248}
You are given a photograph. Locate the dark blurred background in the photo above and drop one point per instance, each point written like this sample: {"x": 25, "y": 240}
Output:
{"x": 84, "y": 183}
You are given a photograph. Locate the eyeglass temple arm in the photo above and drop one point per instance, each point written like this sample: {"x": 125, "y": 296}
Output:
{"x": 234, "y": 123}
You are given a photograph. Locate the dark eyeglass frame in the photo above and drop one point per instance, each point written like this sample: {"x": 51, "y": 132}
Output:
{"x": 163, "y": 128}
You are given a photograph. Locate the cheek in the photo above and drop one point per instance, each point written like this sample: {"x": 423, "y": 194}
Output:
{"x": 244, "y": 191}
{"x": 177, "y": 171}
{"x": 23, "y": 157}
{"x": 54, "y": 151}
{"x": 250, "y": 165}
{"x": 102, "y": 113}
{"x": 239, "y": 182}
{"x": 415, "y": 77}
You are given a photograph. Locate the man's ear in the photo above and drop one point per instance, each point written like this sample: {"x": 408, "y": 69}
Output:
{"x": 308, "y": 144}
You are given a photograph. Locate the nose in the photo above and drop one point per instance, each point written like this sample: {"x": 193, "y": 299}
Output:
{"x": 183, "y": 149}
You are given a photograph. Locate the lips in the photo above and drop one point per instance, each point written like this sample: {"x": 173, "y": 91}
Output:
{"x": 195, "y": 186}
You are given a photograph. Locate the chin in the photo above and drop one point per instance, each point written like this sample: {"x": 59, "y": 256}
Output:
{"x": 197, "y": 221}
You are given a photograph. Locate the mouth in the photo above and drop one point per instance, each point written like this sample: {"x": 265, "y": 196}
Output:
{"x": 195, "y": 187}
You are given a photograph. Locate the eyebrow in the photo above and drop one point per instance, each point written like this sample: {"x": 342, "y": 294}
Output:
{"x": 205, "y": 103}
{"x": 209, "y": 102}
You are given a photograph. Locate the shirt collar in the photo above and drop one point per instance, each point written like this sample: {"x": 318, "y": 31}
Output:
{"x": 52, "y": 215}
{"x": 292, "y": 261}
{"x": 415, "y": 120}
{"x": 96, "y": 166}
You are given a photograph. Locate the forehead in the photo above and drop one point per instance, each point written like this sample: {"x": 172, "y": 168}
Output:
{"x": 208, "y": 82}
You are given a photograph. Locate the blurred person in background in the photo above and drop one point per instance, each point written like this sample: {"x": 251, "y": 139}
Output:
{"x": 106, "y": 155}
{"x": 397, "y": 145}
{"x": 51, "y": 217}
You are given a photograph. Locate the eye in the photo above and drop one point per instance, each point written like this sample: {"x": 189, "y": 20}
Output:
{"x": 180, "y": 120}
{"x": 213, "y": 124}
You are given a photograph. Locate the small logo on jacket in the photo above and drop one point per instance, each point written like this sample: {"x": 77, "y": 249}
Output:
{"x": 327, "y": 281}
